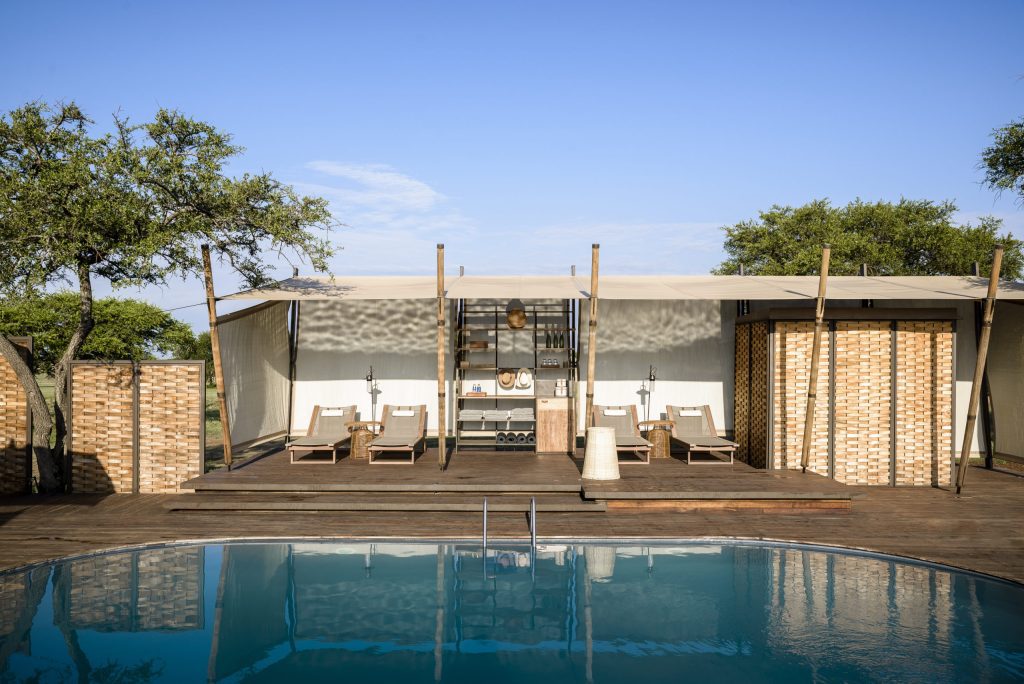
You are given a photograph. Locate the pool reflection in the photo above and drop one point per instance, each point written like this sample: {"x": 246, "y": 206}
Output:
{"x": 447, "y": 612}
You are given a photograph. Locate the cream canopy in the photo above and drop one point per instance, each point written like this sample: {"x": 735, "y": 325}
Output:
{"x": 636, "y": 287}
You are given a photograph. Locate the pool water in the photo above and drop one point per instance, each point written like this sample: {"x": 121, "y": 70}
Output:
{"x": 418, "y": 612}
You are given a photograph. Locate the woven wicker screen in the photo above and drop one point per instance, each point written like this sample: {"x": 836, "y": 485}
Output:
{"x": 14, "y": 425}
{"x": 751, "y": 393}
{"x": 136, "y": 428}
{"x": 885, "y": 399}
{"x": 924, "y": 401}
{"x": 170, "y": 425}
{"x": 741, "y": 395}
{"x": 791, "y": 360}
{"x": 862, "y": 421}
{"x": 102, "y": 431}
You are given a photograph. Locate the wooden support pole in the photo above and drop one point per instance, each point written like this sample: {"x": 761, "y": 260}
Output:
{"x": 218, "y": 367}
{"x": 812, "y": 387}
{"x": 979, "y": 366}
{"x": 442, "y": 427}
{"x": 293, "y": 351}
{"x": 592, "y": 335}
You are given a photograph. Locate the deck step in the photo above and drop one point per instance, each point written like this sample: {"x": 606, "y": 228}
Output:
{"x": 359, "y": 502}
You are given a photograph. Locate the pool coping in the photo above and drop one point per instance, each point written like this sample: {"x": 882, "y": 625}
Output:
{"x": 525, "y": 541}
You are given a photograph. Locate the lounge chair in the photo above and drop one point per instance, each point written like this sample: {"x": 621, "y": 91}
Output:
{"x": 627, "y": 438}
{"x": 328, "y": 430}
{"x": 694, "y": 431}
{"x": 402, "y": 428}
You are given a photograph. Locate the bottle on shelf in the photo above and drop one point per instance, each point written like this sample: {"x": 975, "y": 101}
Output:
{"x": 547, "y": 339}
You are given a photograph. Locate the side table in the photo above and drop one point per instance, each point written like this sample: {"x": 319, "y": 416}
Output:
{"x": 659, "y": 434}
{"x": 363, "y": 432}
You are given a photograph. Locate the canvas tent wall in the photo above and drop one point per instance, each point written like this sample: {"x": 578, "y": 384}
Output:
{"x": 255, "y": 354}
{"x": 1006, "y": 378}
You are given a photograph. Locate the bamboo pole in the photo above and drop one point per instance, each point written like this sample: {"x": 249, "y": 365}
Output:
{"x": 592, "y": 335}
{"x": 979, "y": 366}
{"x": 218, "y": 368}
{"x": 442, "y": 427}
{"x": 812, "y": 388}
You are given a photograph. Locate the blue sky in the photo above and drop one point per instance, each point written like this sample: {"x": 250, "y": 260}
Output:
{"x": 520, "y": 133}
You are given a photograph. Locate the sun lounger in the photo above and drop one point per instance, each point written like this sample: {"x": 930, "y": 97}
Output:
{"x": 624, "y": 420}
{"x": 328, "y": 430}
{"x": 403, "y": 428}
{"x": 694, "y": 431}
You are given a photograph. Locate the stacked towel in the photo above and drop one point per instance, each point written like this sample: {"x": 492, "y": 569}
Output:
{"x": 522, "y": 413}
{"x": 495, "y": 414}
{"x": 471, "y": 414}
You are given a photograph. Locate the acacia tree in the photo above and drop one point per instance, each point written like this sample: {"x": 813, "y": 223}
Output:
{"x": 1003, "y": 160}
{"x": 909, "y": 237}
{"x": 131, "y": 207}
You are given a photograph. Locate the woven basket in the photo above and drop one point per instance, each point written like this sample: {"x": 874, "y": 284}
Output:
{"x": 600, "y": 460}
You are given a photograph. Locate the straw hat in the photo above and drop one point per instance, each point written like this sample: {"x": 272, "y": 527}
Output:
{"x": 506, "y": 378}
{"x": 524, "y": 378}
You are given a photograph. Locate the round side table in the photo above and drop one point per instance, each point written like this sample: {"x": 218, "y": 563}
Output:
{"x": 659, "y": 433}
{"x": 362, "y": 434}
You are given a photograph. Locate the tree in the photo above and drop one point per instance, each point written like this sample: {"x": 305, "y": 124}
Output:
{"x": 123, "y": 329}
{"x": 1003, "y": 161}
{"x": 198, "y": 348}
{"x": 131, "y": 207}
{"x": 909, "y": 237}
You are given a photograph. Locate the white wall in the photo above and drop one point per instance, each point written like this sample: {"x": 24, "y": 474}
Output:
{"x": 339, "y": 341}
{"x": 689, "y": 342}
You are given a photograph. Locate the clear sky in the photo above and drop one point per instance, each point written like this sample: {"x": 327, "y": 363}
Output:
{"x": 519, "y": 133}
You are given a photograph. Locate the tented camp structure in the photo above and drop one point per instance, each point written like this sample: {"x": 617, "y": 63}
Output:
{"x": 897, "y": 360}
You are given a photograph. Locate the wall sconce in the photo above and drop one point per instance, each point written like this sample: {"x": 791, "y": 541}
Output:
{"x": 652, "y": 375}
{"x": 371, "y": 389}
{"x": 370, "y": 386}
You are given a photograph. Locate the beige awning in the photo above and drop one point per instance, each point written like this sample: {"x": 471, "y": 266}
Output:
{"x": 638, "y": 287}
{"x": 712, "y": 287}
{"x": 350, "y": 287}
{"x": 514, "y": 287}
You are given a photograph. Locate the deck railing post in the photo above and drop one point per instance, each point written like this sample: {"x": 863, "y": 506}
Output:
{"x": 812, "y": 387}
{"x": 979, "y": 366}
{"x": 218, "y": 367}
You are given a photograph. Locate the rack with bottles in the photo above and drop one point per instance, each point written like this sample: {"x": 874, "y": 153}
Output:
{"x": 500, "y": 371}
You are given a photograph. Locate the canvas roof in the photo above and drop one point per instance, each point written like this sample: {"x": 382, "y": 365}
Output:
{"x": 636, "y": 287}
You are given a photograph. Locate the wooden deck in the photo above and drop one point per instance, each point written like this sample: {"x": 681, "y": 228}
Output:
{"x": 664, "y": 483}
{"x": 980, "y": 530}
{"x": 485, "y": 472}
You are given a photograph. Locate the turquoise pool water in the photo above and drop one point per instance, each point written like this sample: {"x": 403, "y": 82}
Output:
{"x": 417, "y": 612}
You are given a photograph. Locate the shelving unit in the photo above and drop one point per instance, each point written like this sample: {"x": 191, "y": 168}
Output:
{"x": 515, "y": 349}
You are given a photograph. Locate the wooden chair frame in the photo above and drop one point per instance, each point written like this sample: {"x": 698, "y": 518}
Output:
{"x": 643, "y": 453}
{"x": 326, "y": 446}
{"x": 422, "y": 430}
{"x": 719, "y": 452}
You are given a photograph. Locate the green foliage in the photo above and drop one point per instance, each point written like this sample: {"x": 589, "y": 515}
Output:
{"x": 196, "y": 348}
{"x": 910, "y": 237}
{"x": 126, "y": 329}
{"x": 134, "y": 207}
{"x": 1003, "y": 161}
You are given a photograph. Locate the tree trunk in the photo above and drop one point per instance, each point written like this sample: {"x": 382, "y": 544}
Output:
{"x": 62, "y": 371}
{"x": 42, "y": 424}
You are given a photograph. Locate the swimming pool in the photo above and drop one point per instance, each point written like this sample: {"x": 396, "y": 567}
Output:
{"x": 424, "y": 612}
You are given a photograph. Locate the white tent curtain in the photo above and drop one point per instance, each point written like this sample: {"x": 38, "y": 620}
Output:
{"x": 254, "y": 353}
{"x": 1006, "y": 378}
